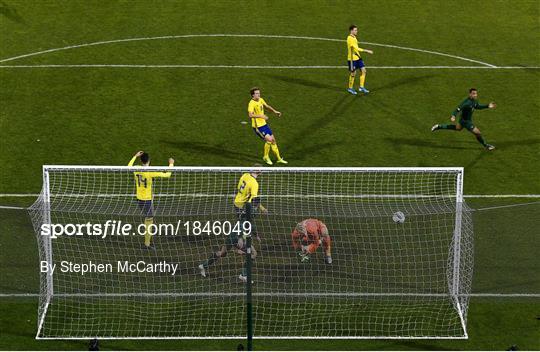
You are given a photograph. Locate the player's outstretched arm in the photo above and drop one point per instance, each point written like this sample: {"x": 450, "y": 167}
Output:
{"x": 273, "y": 110}
{"x": 491, "y": 105}
{"x": 164, "y": 174}
{"x": 359, "y": 50}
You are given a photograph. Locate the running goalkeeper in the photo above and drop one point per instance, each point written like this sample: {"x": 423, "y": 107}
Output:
{"x": 144, "y": 181}
{"x": 308, "y": 235}
{"x": 466, "y": 108}
{"x": 246, "y": 203}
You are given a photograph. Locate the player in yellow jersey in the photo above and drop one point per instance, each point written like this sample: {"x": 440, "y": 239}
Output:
{"x": 245, "y": 202}
{"x": 143, "y": 182}
{"x": 260, "y": 127}
{"x": 355, "y": 61}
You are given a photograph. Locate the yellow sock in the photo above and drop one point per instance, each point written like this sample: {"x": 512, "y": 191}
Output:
{"x": 351, "y": 80}
{"x": 362, "y": 79}
{"x": 276, "y": 150}
{"x": 267, "y": 149}
{"x": 147, "y": 235}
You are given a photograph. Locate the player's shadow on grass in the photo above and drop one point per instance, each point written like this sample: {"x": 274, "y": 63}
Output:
{"x": 10, "y": 13}
{"x": 417, "y": 345}
{"x": 339, "y": 108}
{"x": 516, "y": 143}
{"x": 298, "y": 154}
{"x": 415, "y": 142}
{"x": 210, "y": 150}
{"x": 472, "y": 144}
{"x": 481, "y": 155}
{"x": 501, "y": 145}
{"x": 527, "y": 69}
{"x": 511, "y": 287}
{"x": 402, "y": 82}
{"x": 306, "y": 83}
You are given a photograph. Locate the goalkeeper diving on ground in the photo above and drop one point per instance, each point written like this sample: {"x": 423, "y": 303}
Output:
{"x": 246, "y": 203}
{"x": 308, "y": 235}
{"x": 143, "y": 182}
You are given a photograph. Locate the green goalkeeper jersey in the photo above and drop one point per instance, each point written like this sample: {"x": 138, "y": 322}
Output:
{"x": 467, "y": 107}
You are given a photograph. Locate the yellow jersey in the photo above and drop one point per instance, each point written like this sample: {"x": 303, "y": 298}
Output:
{"x": 143, "y": 181}
{"x": 353, "y": 51}
{"x": 257, "y": 107}
{"x": 248, "y": 188}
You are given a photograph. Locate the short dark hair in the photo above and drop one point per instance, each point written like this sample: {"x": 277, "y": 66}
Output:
{"x": 472, "y": 90}
{"x": 145, "y": 157}
{"x": 351, "y": 27}
{"x": 253, "y": 90}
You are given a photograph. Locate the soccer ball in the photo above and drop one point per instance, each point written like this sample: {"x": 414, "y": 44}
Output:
{"x": 398, "y": 217}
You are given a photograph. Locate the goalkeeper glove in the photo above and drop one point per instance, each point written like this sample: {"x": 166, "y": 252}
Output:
{"x": 304, "y": 258}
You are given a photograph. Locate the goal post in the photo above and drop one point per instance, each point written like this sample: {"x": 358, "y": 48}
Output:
{"x": 400, "y": 242}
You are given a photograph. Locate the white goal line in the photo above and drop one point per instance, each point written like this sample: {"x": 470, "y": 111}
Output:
{"x": 255, "y": 337}
{"x": 275, "y": 295}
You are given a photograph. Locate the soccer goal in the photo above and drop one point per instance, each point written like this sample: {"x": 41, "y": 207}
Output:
{"x": 401, "y": 249}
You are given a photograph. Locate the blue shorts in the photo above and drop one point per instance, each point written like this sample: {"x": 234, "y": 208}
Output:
{"x": 146, "y": 207}
{"x": 355, "y": 65}
{"x": 262, "y": 131}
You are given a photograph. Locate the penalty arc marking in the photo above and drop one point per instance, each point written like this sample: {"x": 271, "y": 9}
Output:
{"x": 484, "y": 64}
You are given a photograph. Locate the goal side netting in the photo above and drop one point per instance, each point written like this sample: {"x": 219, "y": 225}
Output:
{"x": 400, "y": 240}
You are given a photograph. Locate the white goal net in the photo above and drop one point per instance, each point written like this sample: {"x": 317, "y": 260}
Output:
{"x": 400, "y": 242}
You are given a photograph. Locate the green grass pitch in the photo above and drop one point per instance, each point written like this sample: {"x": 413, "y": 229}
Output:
{"x": 101, "y": 116}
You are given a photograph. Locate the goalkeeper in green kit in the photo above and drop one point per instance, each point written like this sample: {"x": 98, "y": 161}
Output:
{"x": 466, "y": 108}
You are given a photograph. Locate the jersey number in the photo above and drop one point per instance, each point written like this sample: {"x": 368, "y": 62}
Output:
{"x": 141, "y": 180}
{"x": 242, "y": 187}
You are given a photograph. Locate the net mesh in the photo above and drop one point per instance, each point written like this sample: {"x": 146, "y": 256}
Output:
{"x": 387, "y": 278}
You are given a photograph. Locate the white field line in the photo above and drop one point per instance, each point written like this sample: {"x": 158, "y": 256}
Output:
{"x": 15, "y": 208}
{"x": 21, "y": 195}
{"x": 506, "y": 206}
{"x": 502, "y": 196}
{"x": 238, "y": 36}
{"x": 283, "y": 294}
{"x": 316, "y": 67}
{"x": 479, "y": 209}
